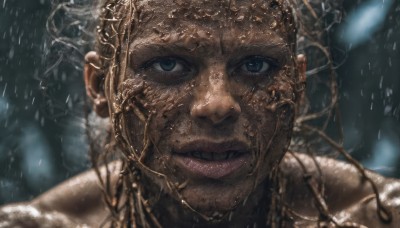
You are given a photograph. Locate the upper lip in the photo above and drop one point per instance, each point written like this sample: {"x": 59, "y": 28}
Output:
{"x": 209, "y": 146}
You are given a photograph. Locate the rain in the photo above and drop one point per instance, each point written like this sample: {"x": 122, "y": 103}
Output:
{"x": 42, "y": 123}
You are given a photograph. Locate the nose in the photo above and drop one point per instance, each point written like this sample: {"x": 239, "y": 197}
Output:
{"x": 214, "y": 101}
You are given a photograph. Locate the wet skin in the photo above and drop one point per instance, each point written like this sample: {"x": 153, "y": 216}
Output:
{"x": 218, "y": 83}
{"x": 220, "y": 92}
{"x": 78, "y": 202}
{"x": 221, "y": 95}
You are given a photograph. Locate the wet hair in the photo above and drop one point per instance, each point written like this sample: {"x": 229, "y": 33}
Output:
{"x": 105, "y": 25}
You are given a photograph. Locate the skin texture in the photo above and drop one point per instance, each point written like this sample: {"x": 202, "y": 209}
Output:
{"x": 210, "y": 98}
{"x": 78, "y": 200}
{"x": 208, "y": 77}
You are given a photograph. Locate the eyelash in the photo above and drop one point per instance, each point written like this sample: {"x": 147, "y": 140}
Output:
{"x": 188, "y": 68}
{"x": 167, "y": 76}
{"x": 272, "y": 65}
{"x": 149, "y": 64}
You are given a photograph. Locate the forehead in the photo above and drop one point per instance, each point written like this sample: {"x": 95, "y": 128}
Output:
{"x": 214, "y": 10}
{"x": 264, "y": 16}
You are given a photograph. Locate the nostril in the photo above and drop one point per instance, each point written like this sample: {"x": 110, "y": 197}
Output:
{"x": 216, "y": 110}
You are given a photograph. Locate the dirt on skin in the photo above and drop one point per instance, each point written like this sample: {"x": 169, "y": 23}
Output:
{"x": 205, "y": 36}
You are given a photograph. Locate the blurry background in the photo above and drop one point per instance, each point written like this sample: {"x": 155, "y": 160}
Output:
{"x": 42, "y": 139}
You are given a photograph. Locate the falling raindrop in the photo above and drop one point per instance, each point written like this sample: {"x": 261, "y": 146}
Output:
{"x": 4, "y": 90}
{"x": 11, "y": 53}
{"x": 66, "y": 101}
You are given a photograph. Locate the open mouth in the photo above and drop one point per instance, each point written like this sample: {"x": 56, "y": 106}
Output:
{"x": 212, "y": 160}
{"x": 212, "y": 156}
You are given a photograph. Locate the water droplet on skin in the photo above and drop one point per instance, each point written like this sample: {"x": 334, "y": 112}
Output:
{"x": 171, "y": 14}
{"x": 257, "y": 19}
{"x": 234, "y": 8}
{"x": 240, "y": 18}
{"x": 273, "y": 24}
{"x": 264, "y": 6}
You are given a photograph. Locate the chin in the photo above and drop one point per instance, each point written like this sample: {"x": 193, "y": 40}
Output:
{"x": 213, "y": 196}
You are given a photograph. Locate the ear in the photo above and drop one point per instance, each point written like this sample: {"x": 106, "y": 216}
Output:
{"x": 94, "y": 79}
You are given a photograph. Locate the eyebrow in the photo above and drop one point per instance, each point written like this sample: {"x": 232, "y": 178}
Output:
{"x": 180, "y": 46}
{"x": 273, "y": 47}
{"x": 265, "y": 47}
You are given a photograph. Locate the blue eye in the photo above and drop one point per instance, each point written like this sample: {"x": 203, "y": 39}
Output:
{"x": 167, "y": 69}
{"x": 168, "y": 65}
{"x": 255, "y": 65}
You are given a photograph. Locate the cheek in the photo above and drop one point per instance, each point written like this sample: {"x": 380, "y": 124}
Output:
{"x": 270, "y": 103}
{"x": 270, "y": 110}
{"x": 165, "y": 104}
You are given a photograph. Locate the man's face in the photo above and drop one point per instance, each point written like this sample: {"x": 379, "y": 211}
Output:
{"x": 217, "y": 83}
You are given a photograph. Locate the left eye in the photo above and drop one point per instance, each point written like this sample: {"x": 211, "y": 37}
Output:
{"x": 168, "y": 65}
{"x": 255, "y": 65}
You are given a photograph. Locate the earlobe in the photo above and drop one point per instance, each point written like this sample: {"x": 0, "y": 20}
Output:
{"x": 94, "y": 77}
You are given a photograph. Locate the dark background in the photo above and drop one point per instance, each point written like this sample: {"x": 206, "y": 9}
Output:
{"x": 42, "y": 140}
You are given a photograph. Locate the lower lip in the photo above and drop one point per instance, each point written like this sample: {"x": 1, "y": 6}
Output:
{"x": 211, "y": 169}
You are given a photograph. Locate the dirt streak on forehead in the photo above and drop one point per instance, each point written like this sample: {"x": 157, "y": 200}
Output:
{"x": 168, "y": 15}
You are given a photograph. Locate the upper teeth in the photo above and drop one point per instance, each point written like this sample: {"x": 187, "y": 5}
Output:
{"x": 214, "y": 156}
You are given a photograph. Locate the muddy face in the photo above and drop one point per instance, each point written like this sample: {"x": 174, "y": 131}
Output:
{"x": 215, "y": 82}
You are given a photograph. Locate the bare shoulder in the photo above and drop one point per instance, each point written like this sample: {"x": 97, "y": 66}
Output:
{"x": 347, "y": 195}
{"x": 26, "y": 215}
{"x": 77, "y": 202}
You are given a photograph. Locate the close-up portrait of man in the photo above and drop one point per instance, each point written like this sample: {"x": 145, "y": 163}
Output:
{"x": 209, "y": 113}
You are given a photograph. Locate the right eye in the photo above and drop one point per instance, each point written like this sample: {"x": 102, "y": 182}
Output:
{"x": 168, "y": 69}
{"x": 167, "y": 65}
